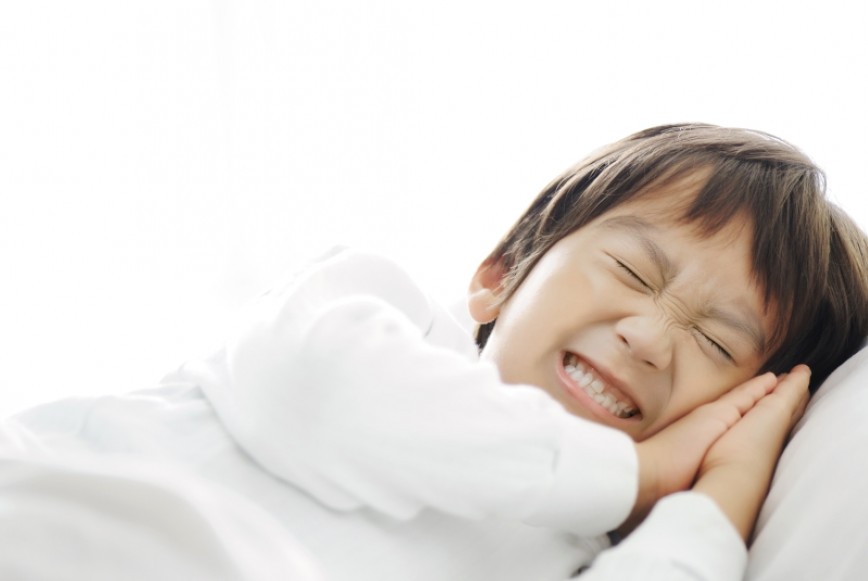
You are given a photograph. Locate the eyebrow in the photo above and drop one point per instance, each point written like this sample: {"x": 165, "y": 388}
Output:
{"x": 742, "y": 324}
{"x": 642, "y": 231}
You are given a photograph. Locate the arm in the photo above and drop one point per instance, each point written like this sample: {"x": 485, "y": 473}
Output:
{"x": 103, "y": 520}
{"x": 332, "y": 384}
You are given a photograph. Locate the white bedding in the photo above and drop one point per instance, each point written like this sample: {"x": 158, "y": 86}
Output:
{"x": 90, "y": 522}
{"x": 814, "y": 523}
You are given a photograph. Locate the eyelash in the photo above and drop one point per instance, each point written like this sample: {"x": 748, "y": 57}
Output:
{"x": 633, "y": 274}
{"x": 714, "y": 344}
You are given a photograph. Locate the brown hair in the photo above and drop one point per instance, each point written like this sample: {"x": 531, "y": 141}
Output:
{"x": 809, "y": 258}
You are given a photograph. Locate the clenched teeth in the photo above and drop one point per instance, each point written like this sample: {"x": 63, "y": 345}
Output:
{"x": 596, "y": 388}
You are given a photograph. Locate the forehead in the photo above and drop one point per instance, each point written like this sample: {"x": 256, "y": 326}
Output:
{"x": 671, "y": 203}
{"x": 669, "y": 197}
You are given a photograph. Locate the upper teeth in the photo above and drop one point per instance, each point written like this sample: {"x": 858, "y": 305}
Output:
{"x": 594, "y": 387}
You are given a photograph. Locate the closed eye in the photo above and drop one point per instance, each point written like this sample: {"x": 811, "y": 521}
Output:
{"x": 715, "y": 345}
{"x": 632, "y": 274}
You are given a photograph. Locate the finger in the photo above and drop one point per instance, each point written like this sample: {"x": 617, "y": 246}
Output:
{"x": 729, "y": 408}
{"x": 803, "y": 405}
{"x": 794, "y": 385}
{"x": 747, "y": 394}
{"x": 801, "y": 391}
{"x": 799, "y": 412}
{"x": 790, "y": 395}
{"x": 709, "y": 421}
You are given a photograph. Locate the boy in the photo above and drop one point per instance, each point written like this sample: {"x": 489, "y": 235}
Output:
{"x": 644, "y": 290}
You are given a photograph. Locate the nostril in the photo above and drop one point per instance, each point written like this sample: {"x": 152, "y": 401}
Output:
{"x": 623, "y": 339}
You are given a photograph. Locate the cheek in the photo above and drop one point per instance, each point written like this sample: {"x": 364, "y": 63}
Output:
{"x": 552, "y": 305}
{"x": 544, "y": 313}
{"x": 706, "y": 384}
{"x": 695, "y": 381}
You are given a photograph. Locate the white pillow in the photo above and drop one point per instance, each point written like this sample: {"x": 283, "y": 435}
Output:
{"x": 814, "y": 524}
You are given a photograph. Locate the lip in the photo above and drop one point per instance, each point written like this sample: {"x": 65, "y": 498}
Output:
{"x": 578, "y": 394}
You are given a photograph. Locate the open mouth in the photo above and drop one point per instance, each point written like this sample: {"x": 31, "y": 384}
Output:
{"x": 609, "y": 398}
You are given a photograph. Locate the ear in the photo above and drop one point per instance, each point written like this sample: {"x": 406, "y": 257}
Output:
{"x": 483, "y": 296}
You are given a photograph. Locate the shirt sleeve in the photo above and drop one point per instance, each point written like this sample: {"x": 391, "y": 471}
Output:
{"x": 103, "y": 521}
{"x": 685, "y": 538}
{"x": 330, "y": 383}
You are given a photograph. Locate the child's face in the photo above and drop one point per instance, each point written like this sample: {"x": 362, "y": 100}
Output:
{"x": 633, "y": 320}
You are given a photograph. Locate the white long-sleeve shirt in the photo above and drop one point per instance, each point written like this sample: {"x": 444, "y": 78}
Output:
{"x": 356, "y": 412}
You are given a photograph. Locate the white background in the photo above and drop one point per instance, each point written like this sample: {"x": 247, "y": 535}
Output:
{"x": 163, "y": 161}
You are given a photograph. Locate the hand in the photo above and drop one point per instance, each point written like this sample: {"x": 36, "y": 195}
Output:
{"x": 738, "y": 468}
{"x": 669, "y": 460}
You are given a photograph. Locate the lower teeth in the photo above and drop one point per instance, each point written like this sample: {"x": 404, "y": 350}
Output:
{"x": 594, "y": 389}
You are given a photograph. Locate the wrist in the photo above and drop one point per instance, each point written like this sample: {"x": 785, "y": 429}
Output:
{"x": 738, "y": 493}
{"x": 648, "y": 490}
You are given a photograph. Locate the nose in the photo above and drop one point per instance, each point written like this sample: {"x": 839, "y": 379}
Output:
{"x": 646, "y": 339}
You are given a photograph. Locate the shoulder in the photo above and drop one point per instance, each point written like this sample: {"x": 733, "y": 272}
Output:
{"x": 341, "y": 271}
